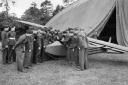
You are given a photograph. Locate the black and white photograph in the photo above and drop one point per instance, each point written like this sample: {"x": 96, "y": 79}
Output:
{"x": 63, "y": 42}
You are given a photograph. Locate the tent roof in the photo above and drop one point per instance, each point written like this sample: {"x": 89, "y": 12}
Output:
{"x": 87, "y": 14}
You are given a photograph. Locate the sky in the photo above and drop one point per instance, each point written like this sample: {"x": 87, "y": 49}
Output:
{"x": 21, "y": 5}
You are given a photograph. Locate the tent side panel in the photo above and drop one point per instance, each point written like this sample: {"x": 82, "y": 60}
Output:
{"x": 122, "y": 22}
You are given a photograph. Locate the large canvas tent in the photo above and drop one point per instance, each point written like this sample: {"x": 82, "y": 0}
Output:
{"x": 92, "y": 15}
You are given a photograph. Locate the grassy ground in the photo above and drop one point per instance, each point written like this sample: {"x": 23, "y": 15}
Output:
{"x": 104, "y": 69}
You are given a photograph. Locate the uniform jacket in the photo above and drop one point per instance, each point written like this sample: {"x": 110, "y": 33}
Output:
{"x": 82, "y": 41}
{"x": 4, "y": 37}
{"x": 74, "y": 42}
{"x": 29, "y": 43}
{"x": 39, "y": 40}
{"x": 20, "y": 44}
{"x": 11, "y": 38}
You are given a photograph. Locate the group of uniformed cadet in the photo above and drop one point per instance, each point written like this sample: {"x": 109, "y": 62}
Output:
{"x": 77, "y": 47}
{"x": 8, "y": 42}
{"x": 29, "y": 48}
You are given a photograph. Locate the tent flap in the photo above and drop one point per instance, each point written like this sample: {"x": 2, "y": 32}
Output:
{"x": 122, "y": 22}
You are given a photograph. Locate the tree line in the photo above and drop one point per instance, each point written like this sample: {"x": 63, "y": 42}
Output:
{"x": 33, "y": 14}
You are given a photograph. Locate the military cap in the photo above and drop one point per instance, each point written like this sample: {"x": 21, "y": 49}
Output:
{"x": 70, "y": 28}
{"x": 82, "y": 33}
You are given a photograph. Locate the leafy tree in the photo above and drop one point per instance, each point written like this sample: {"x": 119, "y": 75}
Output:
{"x": 5, "y": 21}
{"x": 58, "y": 9}
{"x": 46, "y": 11}
{"x": 32, "y": 14}
{"x": 42, "y": 15}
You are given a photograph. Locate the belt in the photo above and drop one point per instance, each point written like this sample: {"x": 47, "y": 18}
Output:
{"x": 12, "y": 38}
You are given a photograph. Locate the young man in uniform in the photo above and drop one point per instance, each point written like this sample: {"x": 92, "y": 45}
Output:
{"x": 43, "y": 54}
{"x": 28, "y": 49}
{"x": 11, "y": 43}
{"x": 4, "y": 36}
{"x": 68, "y": 41}
{"x": 34, "y": 46}
{"x": 39, "y": 46}
{"x": 23, "y": 49}
{"x": 20, "y": 52}
{"x": 83, "y": 50}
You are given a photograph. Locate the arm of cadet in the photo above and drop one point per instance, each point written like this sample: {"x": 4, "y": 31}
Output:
{"x": 4, "y": 39}
{"x": 17, "y": 44}
{"x": 20, "y": 40}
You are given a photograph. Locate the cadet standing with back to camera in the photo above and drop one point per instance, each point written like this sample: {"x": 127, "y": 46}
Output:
{"x": 11, "y": 44}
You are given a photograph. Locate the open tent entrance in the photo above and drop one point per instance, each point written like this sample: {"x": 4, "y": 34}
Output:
{"x": 109, "y": 29}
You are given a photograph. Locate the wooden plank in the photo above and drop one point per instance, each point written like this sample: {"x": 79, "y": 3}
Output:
{"x": 31, "y": 23}
{"x": 115, "y": 46}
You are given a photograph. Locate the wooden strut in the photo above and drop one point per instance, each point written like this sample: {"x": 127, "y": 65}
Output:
{"x": 111, "y": 45}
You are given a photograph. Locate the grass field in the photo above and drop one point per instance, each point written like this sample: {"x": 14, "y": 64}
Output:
{"x": 104, "y": 69}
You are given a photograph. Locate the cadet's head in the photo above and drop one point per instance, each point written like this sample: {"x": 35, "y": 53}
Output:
{"x": 29, "y": 31}
{"x": 64, "y": 32}
{"x": 58, "y": 31}
{"x": 50, "y": 28}
{"x": 45, "y": 28}
{"x": 71, "y": 31}
{"x": 13, "y": 29}
{"x": 34, "y": 32}
{"x": 70, "y": 28}
{"x": 39, "y": 30}
{"x": 70, "y": 34}
{"x": 43, "y": 32}
{"x": 76, "y": 32}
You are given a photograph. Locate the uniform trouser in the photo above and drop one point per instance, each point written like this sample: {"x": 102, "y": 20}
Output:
{"x": 5, "y": 55}
{"x": 83, "y": 58}
{"x": 38, "y": 56}
{"x": 12, "y": 54}
{"x": 27, "y": 59}
{"x": 72, "y": 55}
{"x": 68, "y": 55}
{"x": 20, "y": 60}
{"x": 32, "y": 56}
{"x": 76, "y": 56}
{"x": 43, "y": 55}
{"x": 34, "y": 53}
